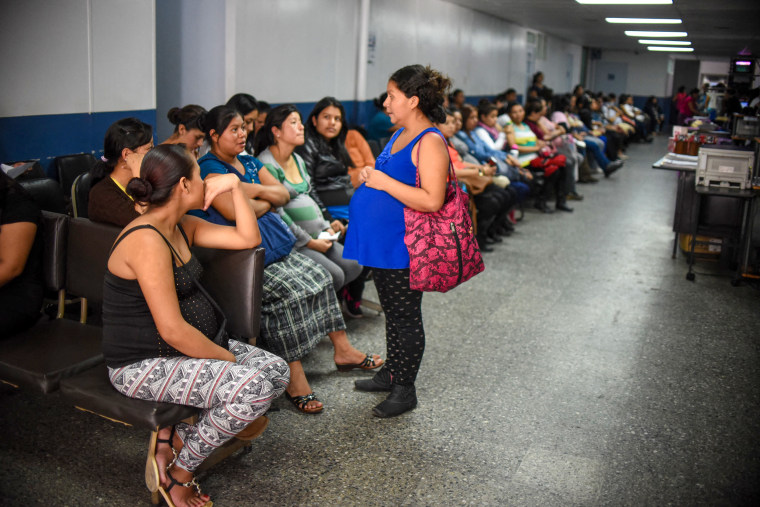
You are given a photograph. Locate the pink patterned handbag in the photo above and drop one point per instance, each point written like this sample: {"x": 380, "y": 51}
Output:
{"x": 442, "y": 249}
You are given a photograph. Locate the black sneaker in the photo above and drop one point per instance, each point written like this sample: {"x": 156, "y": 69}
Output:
{"x": 403, "y": 398}
{"x": 352, "y": 308}
{"x": 612, "y": 167}
{"x": 380, "y": 382}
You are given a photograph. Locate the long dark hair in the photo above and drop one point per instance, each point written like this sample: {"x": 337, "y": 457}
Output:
{"x": 485, "y": 108}
{"x": 264, "y": 137}
{"x": 467, "y": 111}
{"x": 217, "y": 120}
{"x": 244, "y": 103}
{"x": 533, "y": 106}
{"x": 428, "y": 85}
{"x": 379, "y": 101}
{"x": 129, "y": 133}
{"x": 161, "y": 170}
{"x": 336, "y": 145}
{"x": 561, "y": 103}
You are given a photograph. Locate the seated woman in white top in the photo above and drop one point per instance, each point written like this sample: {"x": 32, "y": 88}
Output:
{"x": 487, "y": 129}
{"x": 274, "y": 146}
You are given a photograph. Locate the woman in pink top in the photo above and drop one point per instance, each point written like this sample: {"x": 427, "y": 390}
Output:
{"x": 687, "y": 107}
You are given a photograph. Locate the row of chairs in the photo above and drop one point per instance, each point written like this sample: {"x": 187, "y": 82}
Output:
{"x": 68, "y": 195}
{"x": 65, "y": 354}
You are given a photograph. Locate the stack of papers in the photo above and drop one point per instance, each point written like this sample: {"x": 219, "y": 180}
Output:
{"x": 676, "y": 161}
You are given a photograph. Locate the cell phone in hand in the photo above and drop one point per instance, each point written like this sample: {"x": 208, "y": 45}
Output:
{"x": 492, "y": 162}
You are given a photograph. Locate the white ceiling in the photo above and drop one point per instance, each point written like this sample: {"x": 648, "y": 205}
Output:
{"x": 716, "y": 28}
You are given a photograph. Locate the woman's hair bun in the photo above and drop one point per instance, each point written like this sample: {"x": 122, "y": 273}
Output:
{"x": 174, "y": 115}
{"x": 141, "y": 190}
{"x": 426, "y": 83}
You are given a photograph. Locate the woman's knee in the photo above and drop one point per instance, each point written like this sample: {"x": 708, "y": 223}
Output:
{"x": 338, "y": 277}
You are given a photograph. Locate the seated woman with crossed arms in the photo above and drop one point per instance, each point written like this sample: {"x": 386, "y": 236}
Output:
{"x": 163, "y": 336}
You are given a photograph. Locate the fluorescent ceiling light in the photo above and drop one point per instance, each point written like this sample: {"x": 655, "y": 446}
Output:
{"x": 625, "y": 2}
{"x": 665, "y": 42}
{"x": 645, "y": 21}
{"x": 669, "y": 48}
{"x": 637, "y": 33}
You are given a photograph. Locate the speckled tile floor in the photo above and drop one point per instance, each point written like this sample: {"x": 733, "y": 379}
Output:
{"x": 580, "y": 369}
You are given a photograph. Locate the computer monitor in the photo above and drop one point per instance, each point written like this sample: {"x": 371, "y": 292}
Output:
{"x": 743, "y": 66}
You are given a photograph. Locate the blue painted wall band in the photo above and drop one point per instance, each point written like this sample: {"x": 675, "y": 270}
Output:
{"x": 48, "y": 136}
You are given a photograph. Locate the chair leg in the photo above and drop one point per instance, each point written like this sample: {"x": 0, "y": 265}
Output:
{"x": 83, "y": 311}
{"x": 61, "y": 303}
{"x": 152, "y": 480}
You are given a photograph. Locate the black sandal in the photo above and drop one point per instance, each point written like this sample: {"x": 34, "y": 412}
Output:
{"x": 301, "y": 401}
{"x": 174, "y": 482}
{"x": 367, "y": 364}
{"x": 171, "y": 446}
{"x": 152, "y": 476}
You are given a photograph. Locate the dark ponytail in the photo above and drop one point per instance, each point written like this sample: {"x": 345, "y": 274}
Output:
{"x": 428, "y": 85}
{"x": 161, "y": 170}
{"x": 128, "y": 133}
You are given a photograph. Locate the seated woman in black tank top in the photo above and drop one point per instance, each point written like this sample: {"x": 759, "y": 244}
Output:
{"x": 163, "y": 336}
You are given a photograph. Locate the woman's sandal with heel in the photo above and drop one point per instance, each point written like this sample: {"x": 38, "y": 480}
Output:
{"x": 301, "y": 403}
{"x": 368, "y": 363}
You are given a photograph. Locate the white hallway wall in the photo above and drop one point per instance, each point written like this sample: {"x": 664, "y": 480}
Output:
{"x": 298, "y": 51}
{"x": 100, "y": 55}
{"x": 76, "y": 56}
{"x": 648, "y": 73}
{"x": 483, "y": 55}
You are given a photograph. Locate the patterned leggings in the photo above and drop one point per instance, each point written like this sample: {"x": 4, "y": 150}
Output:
{"x": 404, "y": 333}
{"x": 231, "y": 394}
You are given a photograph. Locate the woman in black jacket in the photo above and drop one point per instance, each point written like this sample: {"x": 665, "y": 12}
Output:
{"x": 327, "y": 161}
{"x": 326, "y": 158}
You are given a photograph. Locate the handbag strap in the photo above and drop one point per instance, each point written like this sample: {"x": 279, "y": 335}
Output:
{"x": 452, "y": 175}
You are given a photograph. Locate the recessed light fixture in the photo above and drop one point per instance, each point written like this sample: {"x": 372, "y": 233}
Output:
{"x": 665, "y": 42}
{"x": 625, "y": 2}
{"x": 670, "y": 48}
{"x": 645, "y": 21}
{"x": 638, "y": 33}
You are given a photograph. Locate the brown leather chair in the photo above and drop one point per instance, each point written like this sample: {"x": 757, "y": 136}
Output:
{"x": 55, "y": 349}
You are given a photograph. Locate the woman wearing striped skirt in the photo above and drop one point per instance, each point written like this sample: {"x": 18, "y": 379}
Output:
{"x": 299, "y": 306}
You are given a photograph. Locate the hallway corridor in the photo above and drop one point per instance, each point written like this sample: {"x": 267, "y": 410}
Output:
{"x": 581, "y": 368}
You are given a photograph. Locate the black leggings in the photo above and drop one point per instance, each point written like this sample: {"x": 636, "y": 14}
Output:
{"x": 493, "y": 206}
{"x": 404, "y": 333}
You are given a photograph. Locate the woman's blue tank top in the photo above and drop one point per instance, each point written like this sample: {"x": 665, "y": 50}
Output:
{"x": 375, "y": 235}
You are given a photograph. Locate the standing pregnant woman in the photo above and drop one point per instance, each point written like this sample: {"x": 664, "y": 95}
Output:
{"x": 375, "y": 235}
